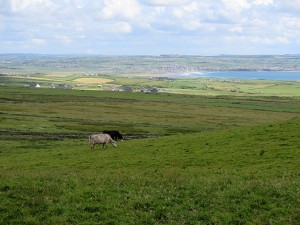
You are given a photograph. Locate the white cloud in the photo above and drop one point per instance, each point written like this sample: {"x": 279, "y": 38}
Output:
{"x": 168, "y": 2}
{"x": 236, "y": 29}
{"x": 291, "y": 5}
{"x": 270, "y": 41}
{"x": 263, "y": 2}
{"x": 193, "y": 25}
{"x": 64, "y": 39}
{"x": 233, "y": 8}
{"x": 38, "y": 41}
{"x": 187, "y": 16}
{"x": 27, "y": 6}
{"x": 237, "y": 5}
{"x": 186, "y": 10}
{"x": 44, "y": 24}
{"x": 119, "y": 27}
{"x": 125, "y": 9}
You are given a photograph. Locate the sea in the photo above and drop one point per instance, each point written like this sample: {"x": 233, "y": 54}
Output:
{"x": 247, "y": 75}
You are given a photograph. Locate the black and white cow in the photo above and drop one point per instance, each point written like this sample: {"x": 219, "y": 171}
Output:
{"x": 115, "y": 135}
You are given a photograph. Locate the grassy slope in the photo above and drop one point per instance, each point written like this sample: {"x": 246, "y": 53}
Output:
{"x": 245, "y": 170}
{"x": 244, "y": 175}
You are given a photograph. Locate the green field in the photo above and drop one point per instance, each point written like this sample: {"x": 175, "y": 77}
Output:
{"x": 189, "y": 86}
{"x": 208, "y": 159}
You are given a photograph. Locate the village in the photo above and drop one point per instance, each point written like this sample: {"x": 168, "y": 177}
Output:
{"x": 20, "y": 64}
{"x": 124, "y": 88}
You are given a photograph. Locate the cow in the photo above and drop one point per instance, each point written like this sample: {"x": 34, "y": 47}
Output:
{"x": 103, "y": 139}
{"x": 115, "y": 135}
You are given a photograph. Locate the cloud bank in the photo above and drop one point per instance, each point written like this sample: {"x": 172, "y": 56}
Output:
{"x": 129, "y": 27}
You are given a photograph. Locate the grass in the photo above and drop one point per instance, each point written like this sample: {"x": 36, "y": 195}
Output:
{"x": 216, "y": 160}
{"x": 210, "y": 178}
{"x": 189, "y": 86}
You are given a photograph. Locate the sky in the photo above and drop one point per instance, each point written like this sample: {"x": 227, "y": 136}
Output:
{"x": 150, "y": 27}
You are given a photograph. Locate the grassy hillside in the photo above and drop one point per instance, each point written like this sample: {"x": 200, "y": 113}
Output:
{"x": 215, "y": 160}
{"x": 44, "y": 111}
{"x": 245, "y": 175}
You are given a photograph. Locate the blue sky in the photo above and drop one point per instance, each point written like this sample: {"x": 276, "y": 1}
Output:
{"x": 150, "y": 27}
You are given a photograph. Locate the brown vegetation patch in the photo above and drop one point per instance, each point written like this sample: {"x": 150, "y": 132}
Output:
{"x": 93, "y": 80}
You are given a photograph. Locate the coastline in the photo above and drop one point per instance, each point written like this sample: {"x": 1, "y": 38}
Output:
{"x": 244, "y": 75}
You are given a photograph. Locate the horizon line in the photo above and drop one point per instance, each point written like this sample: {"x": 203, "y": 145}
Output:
{"x": 156, "y": 55}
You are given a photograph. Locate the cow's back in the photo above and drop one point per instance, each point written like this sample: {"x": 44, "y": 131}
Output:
{"x": 101, "y": 138}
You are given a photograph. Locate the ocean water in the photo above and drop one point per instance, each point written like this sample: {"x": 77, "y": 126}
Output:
{"x": 247, "y": 75}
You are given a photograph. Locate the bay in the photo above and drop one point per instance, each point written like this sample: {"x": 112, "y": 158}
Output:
{"x": 247, "y": 75}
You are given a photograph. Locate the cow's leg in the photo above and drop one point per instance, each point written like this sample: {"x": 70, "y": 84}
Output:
{"x": 105, "y": 144}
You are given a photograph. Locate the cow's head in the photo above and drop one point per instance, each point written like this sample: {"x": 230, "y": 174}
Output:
{"x": 114, "y": 143}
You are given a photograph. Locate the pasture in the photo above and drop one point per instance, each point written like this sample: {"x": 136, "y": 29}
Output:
{"x": 211, "y": 160}
{"x": 138, "y": 82}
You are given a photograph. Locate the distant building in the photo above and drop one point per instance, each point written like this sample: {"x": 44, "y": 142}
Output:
{"x": 144, "y": 90}
{"x": 153, "y": 90}
{"x": 116, "y": 88}
{"x": 150, "y": 90}
{"x": 51, "y": 86}
{"x": 34, "y": 85}
{"x": 65, "y": 86}
{"x": 61, "y": 86}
